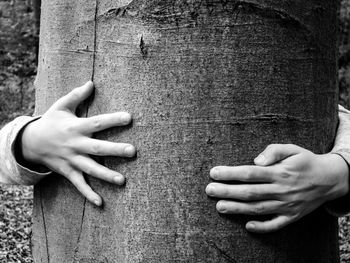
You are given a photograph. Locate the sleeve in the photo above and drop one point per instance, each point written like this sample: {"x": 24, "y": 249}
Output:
{"x": 341, "y": 206}
{"x": 11, "y": 172}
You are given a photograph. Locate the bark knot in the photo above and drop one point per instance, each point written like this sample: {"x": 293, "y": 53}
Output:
{"x": 143, "y": 48}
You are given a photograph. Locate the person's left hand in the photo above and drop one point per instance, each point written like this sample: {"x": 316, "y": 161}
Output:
{"x": 287, "y": 181}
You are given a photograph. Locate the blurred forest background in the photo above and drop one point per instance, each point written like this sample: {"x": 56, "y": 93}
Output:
{"x": 18, "y": 55}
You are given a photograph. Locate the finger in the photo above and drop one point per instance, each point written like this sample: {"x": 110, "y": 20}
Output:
{"x": 78, "y": 180}
{"x": 248, "y": 192}
{"x": 269, "y": 226}
{"x": 245, "y": 173}
{"x": 103, "y": 122}
{"x": 74, "y": 98}
{"x": 91, "y": 167}
{"x": 252, "y": 208}
{"x": 104, "y": 148}
{"x": 275, "y": 153}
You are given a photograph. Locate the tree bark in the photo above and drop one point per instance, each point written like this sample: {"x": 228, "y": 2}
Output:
{"x": 36, "y": 4}
{"x": 208, "y": 83}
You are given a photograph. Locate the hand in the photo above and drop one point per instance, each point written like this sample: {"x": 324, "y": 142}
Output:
{"x": 287, "y": 181}
{"x": 62, "y": 142}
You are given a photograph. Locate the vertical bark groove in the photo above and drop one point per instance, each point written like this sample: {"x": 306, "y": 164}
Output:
{"x": 87, "y": 104}
{"x": 76, "y": 250}
{"x": 95, "y": 41}
{"x": 45, "y": 230}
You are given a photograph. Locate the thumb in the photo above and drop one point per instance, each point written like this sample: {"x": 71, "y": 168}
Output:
{"x": 74, "y": 98}
{"x": 275, "y": 153}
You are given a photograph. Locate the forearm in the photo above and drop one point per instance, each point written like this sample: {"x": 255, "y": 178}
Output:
{"x": 342, "y": 140}
{"x": 341, "y": 147}
{"x": 11, "y": 172}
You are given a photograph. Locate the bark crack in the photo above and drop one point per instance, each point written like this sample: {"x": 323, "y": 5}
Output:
{"x": 276, "y": 116}
{"x": 95, "y": 46}
{"x": 118, "y": 12}
{"x": 222, "y": 252}
{"x": 143, "y": 48}
{"x": 76, "y": 250}
{"x": 272, "y": 12}
{"x": 121, "y": 11}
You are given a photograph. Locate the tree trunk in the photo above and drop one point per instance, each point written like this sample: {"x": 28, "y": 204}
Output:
{"x": 208, "y": 83}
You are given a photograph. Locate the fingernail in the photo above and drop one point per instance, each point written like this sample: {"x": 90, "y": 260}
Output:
{"x": 125, "y": 118}
{"x": 118, "y": 180}
{"x": 250, "y": 225}
{"x": 260, "y": 159}
{"x": 220, "y": 207}
{"x": 210, "y": 189}
{"x": 97, "y": 202}
{"x": 130, "y": 151}
{"x": 88, "y": 84}
{"x": 214, "y": 173}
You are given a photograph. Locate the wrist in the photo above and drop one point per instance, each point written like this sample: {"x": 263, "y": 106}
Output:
{"x": 339, "y": 175}
{"x": 24, "y": 150}
{"x": 26, "y": 145}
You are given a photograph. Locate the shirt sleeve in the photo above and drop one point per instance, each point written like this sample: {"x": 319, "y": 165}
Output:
{"x": 11, "y": 172}
{"x": 341, "y": 206}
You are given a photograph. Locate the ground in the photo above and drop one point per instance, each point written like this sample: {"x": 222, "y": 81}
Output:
{"x": 18, "y": 40}
{"x": 16, "y": 205}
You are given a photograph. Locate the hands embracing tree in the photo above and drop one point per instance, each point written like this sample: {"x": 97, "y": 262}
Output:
{"x": 208, "y": 83}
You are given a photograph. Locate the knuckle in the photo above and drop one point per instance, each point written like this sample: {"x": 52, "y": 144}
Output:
{"x": 225, "y": 192}
{"x": 87, "y": 170}
{"x": 283, "y": 190}
{"x": 73, "y": 178}
{"x": 65, "y": 171}
{"x": 294, "y": 146}
{"x": 248, "y": 173}
{"x": 69, "y": 127}
{"x": 96, "y": 149}
{"x": 253, "y": 193}
{"x": 271, "y": 227}
{"x": 75, "y": 94}
{"x": 290, "y": 205}
{"x": 67, "y": 146}
{"x": 249, "y": 195}
{"x": 279, "y": 225}
{"x": 296, "y": 200}
{"x": 293, "y": 205}
{"x": 274, "y": 150}
{"x": 96, "y": 124}
{"x": 272, "y": 147}
{"x": 284, "y": 173}
{"x": 263, "y": 228}
{"x": 296, "y": 176}
{"x": 258, "y": 209}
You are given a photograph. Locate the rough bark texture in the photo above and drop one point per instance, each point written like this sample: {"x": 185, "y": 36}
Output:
{"x": 208, "y": 83}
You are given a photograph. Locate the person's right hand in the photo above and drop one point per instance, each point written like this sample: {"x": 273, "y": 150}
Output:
{"x": 62, "y": 142}
{"x": 287, "y": 182}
